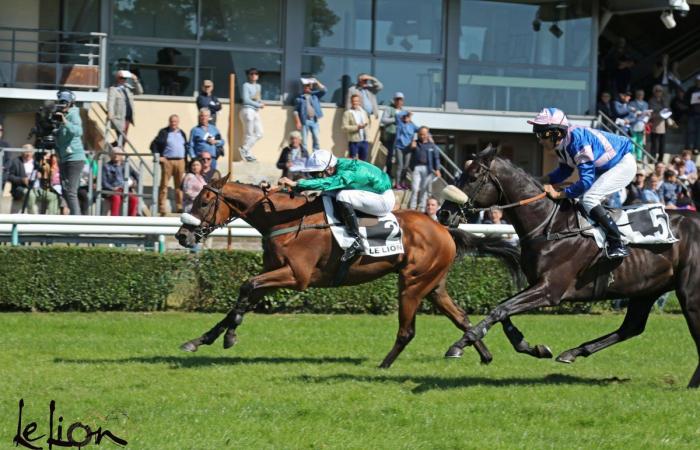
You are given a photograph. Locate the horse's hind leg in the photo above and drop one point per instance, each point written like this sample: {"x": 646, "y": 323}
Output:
{"x": 517, "y": 340}
{"x": 408, "y": 306}
{"x": 444, "y": 303}
{"x": 634, "y": 323}
{"x": 249, "y": 293}
{"x": 688, "y": 292}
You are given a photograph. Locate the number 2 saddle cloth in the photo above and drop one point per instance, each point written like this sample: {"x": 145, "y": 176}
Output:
{"x": 639, "y": 224}
{"x": 381, "y": 236}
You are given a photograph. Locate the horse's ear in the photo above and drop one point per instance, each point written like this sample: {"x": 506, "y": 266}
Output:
{"x": 224, "y": 180}
{"x": 488, "y": 153}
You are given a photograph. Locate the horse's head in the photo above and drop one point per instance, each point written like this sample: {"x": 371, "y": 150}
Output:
{"x": 210, "y": 210}
{"x": 475, "y": 187}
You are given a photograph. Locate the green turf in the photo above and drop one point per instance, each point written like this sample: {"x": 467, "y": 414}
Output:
{"x": 311, "y": 382}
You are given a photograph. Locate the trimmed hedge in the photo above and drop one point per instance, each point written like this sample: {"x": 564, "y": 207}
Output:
{"x": 92, "y": 279}
{"x": 83, "y": 279}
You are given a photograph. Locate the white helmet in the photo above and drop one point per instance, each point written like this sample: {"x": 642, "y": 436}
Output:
{"x": 320, "y": 160}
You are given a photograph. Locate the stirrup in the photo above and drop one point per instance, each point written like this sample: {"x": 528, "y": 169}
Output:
{"x": 351, "y": 251}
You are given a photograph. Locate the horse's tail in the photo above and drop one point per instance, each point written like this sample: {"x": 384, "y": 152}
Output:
{"x": 468, "y": 243}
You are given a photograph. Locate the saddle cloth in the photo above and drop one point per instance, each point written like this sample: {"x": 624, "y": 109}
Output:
{"x": 381, "y": 236}
{"x": 639, "y": 224}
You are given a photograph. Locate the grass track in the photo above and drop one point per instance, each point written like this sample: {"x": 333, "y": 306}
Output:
{"x": 307, "y": 381}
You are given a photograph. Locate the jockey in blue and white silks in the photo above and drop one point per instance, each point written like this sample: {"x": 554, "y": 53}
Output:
{"x": 604, "y": 161}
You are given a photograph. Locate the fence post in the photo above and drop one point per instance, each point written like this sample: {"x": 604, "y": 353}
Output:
{"x": 103, "y": 60}
{"x": 161, "y": 244}
{"x": 125, "y": 188}
{"x": 156, "y": 185}
{"x": 15, "y": 234}
{"x": 98, "y": 202}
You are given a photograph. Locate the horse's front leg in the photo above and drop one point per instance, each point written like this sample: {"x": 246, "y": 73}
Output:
{"x": 249, "y": 293}
{"x": 541, "y": 294}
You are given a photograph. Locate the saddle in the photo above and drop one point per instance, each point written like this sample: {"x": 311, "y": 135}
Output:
{"x": 642, "y": 224}
{"x": 381, "y": 236}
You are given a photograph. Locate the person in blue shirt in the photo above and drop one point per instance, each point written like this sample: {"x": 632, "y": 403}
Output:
{"x": 604, "y": 161}
{"x": 206, "y": 137}
{"x": 404, "y": 142}
{"x": 307, "y": 110}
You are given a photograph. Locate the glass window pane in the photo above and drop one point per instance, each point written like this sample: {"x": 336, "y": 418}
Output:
{"x": 81, "y": 15}
{"x": 339, "y": 24}
{"x": 155, "y": 18}
{"x": 338, "y": 73}
{"x": 242, "y": 22}
{"x": 216, "y": 65}
{"x": 522, "y": 89}
{"x": 421, "y": 82}
{"x": 409, "y": 26}
{"x": 503, "y": 32}
{"x": 161, "y": 70}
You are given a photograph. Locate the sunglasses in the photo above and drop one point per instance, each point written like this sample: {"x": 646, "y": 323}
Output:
{"x": 544, "y": 134}
{"x": 208, "y": 85}
{"x": 206, "y": 159}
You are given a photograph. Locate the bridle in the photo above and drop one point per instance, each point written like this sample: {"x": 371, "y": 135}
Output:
{"x": 208, "y": 224}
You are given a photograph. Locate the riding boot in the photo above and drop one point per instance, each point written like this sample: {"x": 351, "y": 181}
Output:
{"x": 347, "y": 213}
{"x": 616, "y": 248}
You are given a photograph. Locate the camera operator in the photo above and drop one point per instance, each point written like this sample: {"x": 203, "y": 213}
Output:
{"x": 70, "y": 149}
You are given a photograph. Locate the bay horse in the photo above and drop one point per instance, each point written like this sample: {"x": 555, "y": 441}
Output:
{"x": 561, "y": 264}
{"x": 300, "y": 252}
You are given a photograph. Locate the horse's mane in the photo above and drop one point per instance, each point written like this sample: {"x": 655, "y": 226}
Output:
{"x": 521, "y": 171}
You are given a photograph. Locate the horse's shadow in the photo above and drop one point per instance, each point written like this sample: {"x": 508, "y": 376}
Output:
{"x": 202, "y": 361}
{"x": 429, "y": 383}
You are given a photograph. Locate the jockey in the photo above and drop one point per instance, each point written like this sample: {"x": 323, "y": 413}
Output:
{"x": 359, "y": 185}
{"x": 605, "y": 165}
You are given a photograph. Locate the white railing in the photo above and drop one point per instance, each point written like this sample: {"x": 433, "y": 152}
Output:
{"x": 29, "y": 224}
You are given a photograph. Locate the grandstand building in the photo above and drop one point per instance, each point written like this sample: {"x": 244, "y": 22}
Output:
{"x": 472, "y": 70}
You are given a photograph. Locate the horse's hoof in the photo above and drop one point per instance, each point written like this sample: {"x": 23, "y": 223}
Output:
{"x": 230, "y": 341}
{"x": 567, "y": 357}
{"x": 188, "y": 347}
{"x": 454, "y": 352}
{"x": 543, "y": 351}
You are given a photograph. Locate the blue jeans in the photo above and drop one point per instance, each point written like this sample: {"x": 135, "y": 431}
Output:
{"x": 359, "y": 150}
{"x": 310, "y": 126}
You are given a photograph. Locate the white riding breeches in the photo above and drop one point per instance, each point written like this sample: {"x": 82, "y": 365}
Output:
{"x": 611, "y": 181}
{"x": 368, "y": 202}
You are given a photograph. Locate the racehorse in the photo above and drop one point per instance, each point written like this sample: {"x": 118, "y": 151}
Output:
{"x": 300, "y": 252}
{"x": 563, "y": 265}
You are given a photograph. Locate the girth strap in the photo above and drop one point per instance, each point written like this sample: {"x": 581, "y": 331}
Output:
{"x": 297, "y": 229}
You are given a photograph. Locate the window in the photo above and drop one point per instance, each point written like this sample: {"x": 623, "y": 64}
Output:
{"x": 421, "y": 82}
{"x": 339, "y": 24}
{"x": 216, "y": 65}
{"x": 409, "y": 26}
{"x": 242, "y": 22}
{"x": 505, "y": 64}
{"x": 152, "y": 18}
{"x": 337, "y": 73}
{"x": 161, "y": 70}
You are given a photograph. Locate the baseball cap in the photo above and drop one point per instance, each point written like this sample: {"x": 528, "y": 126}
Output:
{"x": 398, "y": 95}
{"x": 124, "y": 74}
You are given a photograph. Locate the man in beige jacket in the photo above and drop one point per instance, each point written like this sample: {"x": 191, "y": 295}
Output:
{"x": 120, "y": 102}
{"x": 356, "y": 124}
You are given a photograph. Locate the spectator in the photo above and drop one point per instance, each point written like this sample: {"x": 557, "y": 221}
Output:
{"x": 618, "y": 65}
{"x": 605, "y": 105}
{"x": 367, "y": 88}
{"x": 432, "y": 207}
{"x": 425, "y": 166}
{"x": 495, "y": 216}
{"x": 170, "y": 82}
{"x": 55, "y": 185}
{"x": 623, "y": 115}
{"x": 669, "y": 189}
{"x": 206, "y": 137}
{"x": 21, "y": 175}
{"x": 691, "y": 170}
{"x": 659, "y": 169}
{"x": 193, "y": 183}
{"x": 171, "y": 144}
{"x": 307, "y": 110}
{"x": 692, "y": 136}
{"x": 207, "y": 99}
{"x": 677, "y": 165}
{"x": 665, "y": 76}
{"x": 639, "y": 116}
{"x": 635, "y": 188}
{"x": 405, "y": 140}
{"x": 294, "y": 154}
{"x": 250, "y": 114}
{"x": 355, "y": 122}
{"x": 86, "y": 178}
{"x": 388, "y": 124}
{"x": 658, "y": 105}
{"x": 70, "y": 149}
{"x": 113, "y": 180}
{"x": 120, "y": 102}
{"x": 208, "y": 172}
{"x": 651, "y": 193}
